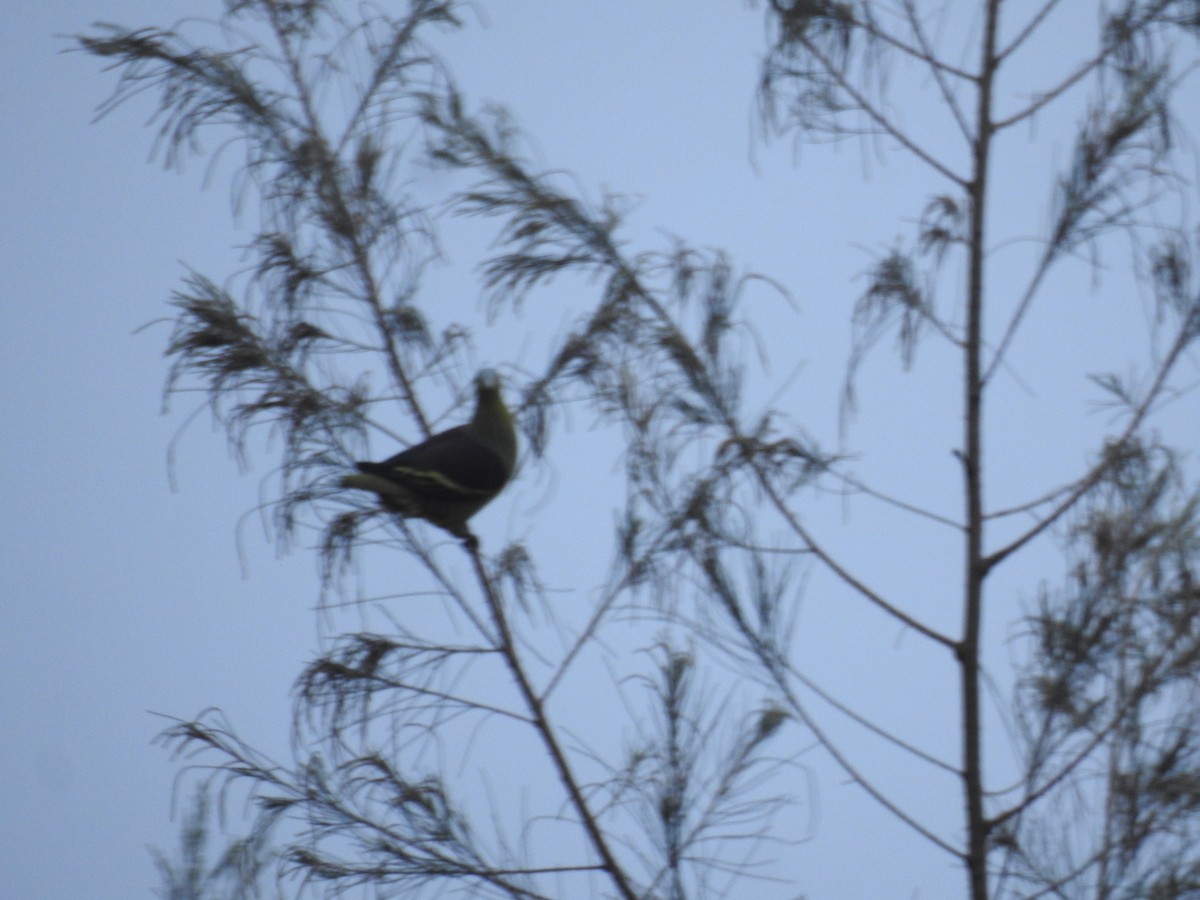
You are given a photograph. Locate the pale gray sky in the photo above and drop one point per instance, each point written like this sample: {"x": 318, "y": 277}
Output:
{"x": 122, "y": 598}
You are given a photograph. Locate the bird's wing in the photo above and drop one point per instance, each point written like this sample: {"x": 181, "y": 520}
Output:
{"x": 449, "y": 464}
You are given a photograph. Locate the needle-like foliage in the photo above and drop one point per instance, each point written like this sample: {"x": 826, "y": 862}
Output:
{"x": 655, "y": 732}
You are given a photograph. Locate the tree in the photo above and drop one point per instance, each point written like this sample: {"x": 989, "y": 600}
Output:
{"x": 1089, "y": 783}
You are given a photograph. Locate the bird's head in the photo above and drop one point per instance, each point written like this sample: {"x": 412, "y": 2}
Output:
{"x": 493, "y": 423}
{"x": 487, "y": 380}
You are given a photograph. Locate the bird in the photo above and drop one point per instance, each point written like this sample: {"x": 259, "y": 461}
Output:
{"x": 455, "y": 473}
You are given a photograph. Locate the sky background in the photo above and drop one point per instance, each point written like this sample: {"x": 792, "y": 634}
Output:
{"x": 133, "y": 588}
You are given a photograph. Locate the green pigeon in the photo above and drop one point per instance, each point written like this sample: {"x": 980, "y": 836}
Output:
{"x": 455, "y": 473}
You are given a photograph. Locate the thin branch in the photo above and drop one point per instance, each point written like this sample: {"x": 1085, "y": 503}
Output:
{"x": 1048, "y": 497}
{"x": 1135, "y": 696}
{"x": 1050, "y": 96}
{"x": 855, "y": 775}
{"x": 811, "y": 544}
{"x": 771, "y": 664}
{"x": 402, "y": 38}
{"x": 869, "y": 725}
{"x": 888, "y": 499}
{"x": 1082, "y": 71}
{"x": 874, "y": 114}
{"x": 919, "y": 53}
{"x": 332, "y": 184}
{"x": 586, "y": 634}
{"x": 536, "y": 708}
{"x": 1022, "y": 308}
{"x": 939, "y": 71}
{"x": 1030, "y": 28}
{"x": 1085, "y": 484}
